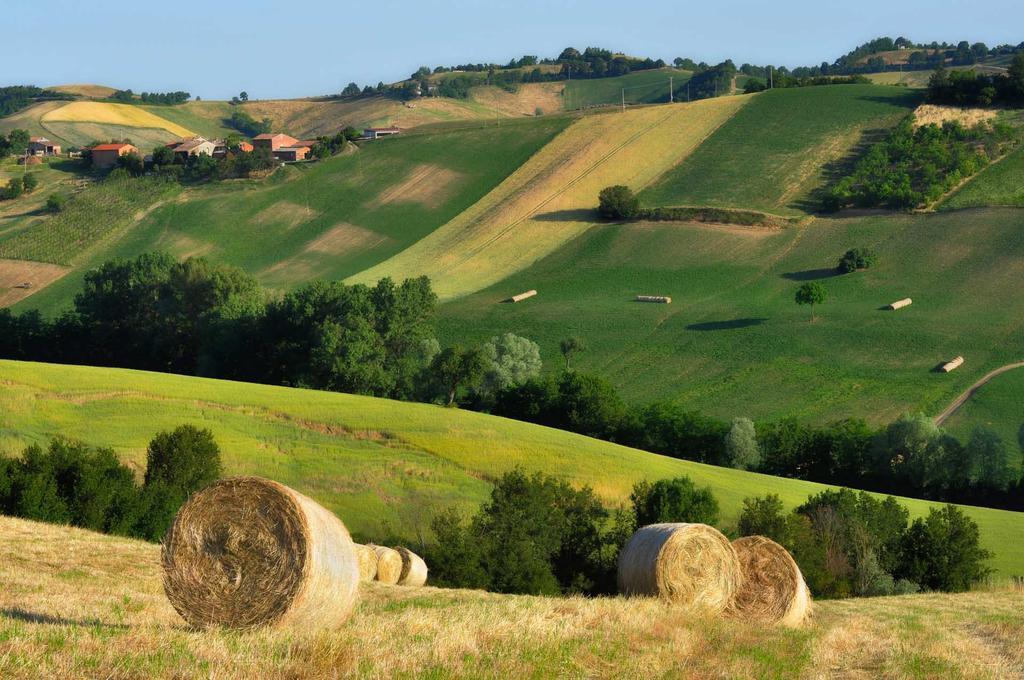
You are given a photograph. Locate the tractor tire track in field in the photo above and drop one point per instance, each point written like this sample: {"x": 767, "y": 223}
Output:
{"x": 967, "y": 394}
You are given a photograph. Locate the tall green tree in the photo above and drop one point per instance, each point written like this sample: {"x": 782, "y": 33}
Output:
{"x": 811, "y": 293}
{"x": 570, "y": 347}
{"x": 741, "y": 448}
{"x": 457, "y": 368}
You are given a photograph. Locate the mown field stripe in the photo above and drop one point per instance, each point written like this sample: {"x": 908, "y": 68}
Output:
{"x": 550, "y": 199}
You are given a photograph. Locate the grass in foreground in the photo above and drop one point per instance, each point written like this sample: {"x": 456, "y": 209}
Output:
{"x": 552, "y": 197}
{"x": 733, "y": 343}
{"x": 80, "y": 604}
{"x": 373, "y": 461}
{"x": 778, "y": 149}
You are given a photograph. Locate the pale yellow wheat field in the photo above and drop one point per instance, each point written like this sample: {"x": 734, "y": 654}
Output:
{"x": 551, "y": 198}
{"x": 113, "y": 114}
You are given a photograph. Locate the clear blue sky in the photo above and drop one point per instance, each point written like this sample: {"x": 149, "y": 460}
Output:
{"x": 215, "y": 48}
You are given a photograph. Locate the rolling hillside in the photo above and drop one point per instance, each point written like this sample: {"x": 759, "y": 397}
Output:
{"x": 329, "y": 219}
{"x": 78, "y": 604}
{"x": 779, "y": 148}
{"x": 733, "y": 335}
{"x": 999, "y": 184}
{"x": 551, "y": 199}
{"x": 998, "y": 405}
{"x": 641, "y": 87}
{"x": 370, "y": 460}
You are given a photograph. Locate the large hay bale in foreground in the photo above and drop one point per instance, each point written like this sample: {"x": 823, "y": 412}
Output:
{"x": 389, "y": 564}
{"x": 773, "y": 589}
{"x": 952, "y": 365}
{"x": 688, "y": 564}
{"x": 247, "y": 552}
{"x": 367, "y": 557}
{"x": 414, "y": 569}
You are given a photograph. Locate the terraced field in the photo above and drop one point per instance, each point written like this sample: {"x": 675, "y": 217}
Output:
{"x": 551, "y": 198}
{"x": 371, "y": 460}
{"x": 781, "y": 147}
{"x": 733, "y": 343}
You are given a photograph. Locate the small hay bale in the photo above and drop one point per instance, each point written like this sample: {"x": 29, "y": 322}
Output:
{"x": 661, "y": 299}
{"x": 522, "y": 296}
{"x": 367, "y": 557}
{"x": 900, "y": 304}
{"x": 247, "y": 552}
{"x": 693, "y": 565}
{"x": 389, "y": 564}
{"x": 773, "y": 588}
{"x": 952, "y": 365}
{"x": 414, "y": 569}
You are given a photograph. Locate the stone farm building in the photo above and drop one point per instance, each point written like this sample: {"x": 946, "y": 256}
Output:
{"x": 197, "y": 146}
{"x": 106, "y": 155}
{"x": 378, "y": 132}
{"x": 41, "y": 146}
{"x": 283, "y": 147}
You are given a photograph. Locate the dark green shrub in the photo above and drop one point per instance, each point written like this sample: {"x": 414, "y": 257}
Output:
{"x": 673, "y": 500}
{"x": 618, "y": 203}
{"x": 857, "y": 258}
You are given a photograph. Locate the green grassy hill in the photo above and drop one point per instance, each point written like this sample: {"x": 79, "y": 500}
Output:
{"x": 780, "y": 147}
{"x": 998, "y": 405}
{"x": 328, "y": 219}
{"x": 641, "y": 87}
{"x": 733, "y": 343}
{"x": 370, "y": 460}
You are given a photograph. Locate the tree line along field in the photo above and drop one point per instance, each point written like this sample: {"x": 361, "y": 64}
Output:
{"x": 780, "y": 147}
{"x": 329, "y": 219}
{"x": 78, "y": 604}
{"x": 553, "y": 197}
{"x": 733, "y": 343}
{"x": 371, "y": 460}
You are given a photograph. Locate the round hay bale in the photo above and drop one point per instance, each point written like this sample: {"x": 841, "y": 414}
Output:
{"x": 248, "y": 552}
{"x": 367, "y": 557}
{"x": 688, "y": 564}
{"x": 414, "y": 569}
{"x": 389, "y": 564}
{"x": 773, "y": 589}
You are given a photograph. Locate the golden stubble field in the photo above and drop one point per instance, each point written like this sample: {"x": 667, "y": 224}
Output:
{"x": 77, "y": 604}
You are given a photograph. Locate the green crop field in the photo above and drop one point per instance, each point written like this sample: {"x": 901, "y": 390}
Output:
{"x": 327, "y": 219}
{"x": 642, "y": 87}
{"x": 203, "y": 118}
{"x": 998, "y": 405}
{"x": 370, "y": 460}
{"x": 779, "y": 148}
{"x": 733, "y": 343}
{"x": 1002, "y": 183}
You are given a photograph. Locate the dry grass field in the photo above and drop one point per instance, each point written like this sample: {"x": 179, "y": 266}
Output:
{"x": 105, "y": 113}
{"x": 927, "y": 114}
{"x": 15, "y": 274}
{"x": 85, "y": 90}
{"x": 551, "y": 198}
{"x": 78, "y": 604}
{"x": 525, "y": 101}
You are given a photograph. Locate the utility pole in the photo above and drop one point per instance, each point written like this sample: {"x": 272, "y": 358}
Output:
{"x": 771, "y": 77}
{"x": 670, "y": 91}
{"x": 623, "y": 100}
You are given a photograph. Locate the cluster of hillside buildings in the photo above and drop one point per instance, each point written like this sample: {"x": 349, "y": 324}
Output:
{"x": 280, "y": 146}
